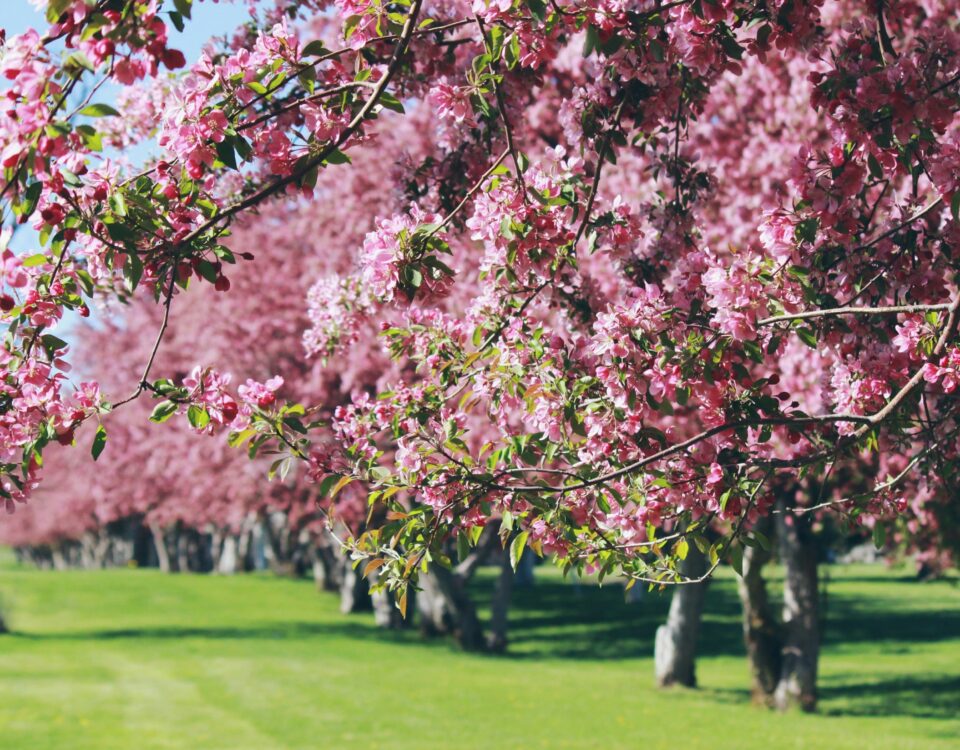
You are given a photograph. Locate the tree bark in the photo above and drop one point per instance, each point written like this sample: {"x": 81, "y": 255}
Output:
{"x": 675, "y": 646}
{"x": 229, "y": 560}
{"x": 354, "y": 591}
{"x": 432, "y": 607}
{"x": 59, "y": 558}
{"x": 327, "y": 564}
{"x": 500, "y": 606}
{"x": 761, "y": 630}
{"x": 160, "y": 545}
{"x": 463, "y": 620}
{"x": 801, "y": 625}
{"x": 182, "y": 548}
{"x": 385, "y": 611}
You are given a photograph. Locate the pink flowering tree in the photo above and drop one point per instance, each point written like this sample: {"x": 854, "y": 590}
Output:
{"x": 661, "y": 272}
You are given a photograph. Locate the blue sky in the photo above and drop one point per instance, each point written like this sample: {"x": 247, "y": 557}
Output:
{"x": 208, "y": 19}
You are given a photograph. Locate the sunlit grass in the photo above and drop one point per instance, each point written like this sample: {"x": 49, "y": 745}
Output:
{"x": 137, "y": 659}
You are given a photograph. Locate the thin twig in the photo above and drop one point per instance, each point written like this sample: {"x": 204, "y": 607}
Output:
{"x": 837, "y": 311}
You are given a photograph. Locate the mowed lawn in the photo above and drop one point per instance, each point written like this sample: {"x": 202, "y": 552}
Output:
{"x": 138, "y": 659}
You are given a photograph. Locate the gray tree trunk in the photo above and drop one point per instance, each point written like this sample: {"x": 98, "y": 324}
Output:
{"x": 354, "y": 591}
{"x": 761, "y": 630}
{"x": 675, "y": 646}
{"x": 258, "y": 547}
{"x": 328, "y": 565}
{"x": 229, "y": 560}
{"x": 385, "y": 611}
{"x": 182, "y": 548}
{"x": 463, "y": 620}
{"x": 432, "y": 607}
{"x": 160, "y": 545}
{"x": 801, "y": 624}
{"x": 500, "y": 606}
{"x": 59, "y": 558}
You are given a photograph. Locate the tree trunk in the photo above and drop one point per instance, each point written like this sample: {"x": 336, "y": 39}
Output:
{"x": 354, "y": 591}
{"x": 761, "y": 631}
{"x": 59, "y": 558}
{"x": 257, "y": 547}
{"x": 385, "y": 611}
{"x": 160, "y": 545}
{"x": 182, "y": 548}
{"x": 432, "y": 607}
{"x": 675, "y": 646}
{"x": 500, "y": 606}
{"x": 801, "y": 626}
{"x": 467, "y": 630}
{"x": 275, "y": 532}
{"x": 229, "y": 561}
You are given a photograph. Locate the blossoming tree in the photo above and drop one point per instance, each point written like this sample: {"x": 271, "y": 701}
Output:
{"x": 669, "y": 269}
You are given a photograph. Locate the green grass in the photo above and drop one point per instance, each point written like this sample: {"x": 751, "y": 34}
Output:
{"x": 136, "y": 659}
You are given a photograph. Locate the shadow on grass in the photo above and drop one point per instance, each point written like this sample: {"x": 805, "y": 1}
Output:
{"x": 923, "y": 697}
{"x": 278, "y": 632}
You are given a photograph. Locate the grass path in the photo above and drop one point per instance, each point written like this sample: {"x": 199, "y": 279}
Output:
{"x": 134, "y": 659}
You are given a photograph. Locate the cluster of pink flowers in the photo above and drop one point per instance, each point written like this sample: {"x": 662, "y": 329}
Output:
{"x": 945, "y": 372}
{"x": 391, "y": 252}
{"x": 737, "y": 297}
{"x": 336, "y": 307}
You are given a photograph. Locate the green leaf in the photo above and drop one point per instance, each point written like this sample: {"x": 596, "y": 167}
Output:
{"x": 879, "y": 536}
{"x": 198, "y": 418}
{"x": 237, "y": 439}
{"x": 86, "y": 281}
{"x": 343, "y": 482}
{"x": 736, "y": 559}
{"x": 35, "y": 260}
{"x": 177, "y": 20}
{"x": 327, "y": 484}
{"x": 762, "y": 539}
{"x": 55, "y": 8}
{"x": 80, "y": 60}
{"x": 52, "y": 343}
{"x": 538, "y": 9}
{"x": 295, "y": 424}
{"x": 118, "y": 204}
{"x": 207, "y": 270}
{"x": 337, "y": 157}
{"x": 183, "y": 7}
{"x": 163, "y": 411}
{"x": 591, "y": 41}
{"x": 226, "y": 154}
{"x": 99, "y": 110}
{"x": 389, "y": 101}
{"x": 517, "y": 546}
{"x": 463, "y": 546}
{"x": 955, "y": 206}
{"x": 30, "y": 197}
{"x": 133, "y": 270}
{"x": 99, "y": 442}
{"x": 808, "y": 337}
{"x": 753, "y": 350}
{"x": 314, "y": 48}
